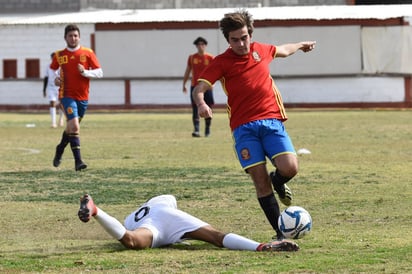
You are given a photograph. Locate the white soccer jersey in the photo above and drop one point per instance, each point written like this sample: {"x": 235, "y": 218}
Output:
{"x": 162, "y": 217}
{"x": 51, "y": 88}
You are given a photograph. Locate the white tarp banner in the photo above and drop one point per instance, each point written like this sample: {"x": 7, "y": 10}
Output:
{"x": 387, "y": 49}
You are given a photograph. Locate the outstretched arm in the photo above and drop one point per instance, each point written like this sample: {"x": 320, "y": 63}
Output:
{"x": 185, "y": 78}
{"x": 286, "y": 50}
{"x": 45, "y": 80}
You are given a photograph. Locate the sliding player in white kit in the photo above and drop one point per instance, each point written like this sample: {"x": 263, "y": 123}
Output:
{"x": 158, "y": 222}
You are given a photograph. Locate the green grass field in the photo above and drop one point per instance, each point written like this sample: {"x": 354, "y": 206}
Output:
{"x": 356, "y": 184}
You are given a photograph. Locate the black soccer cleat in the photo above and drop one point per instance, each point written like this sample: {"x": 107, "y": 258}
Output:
{"x": 57, "y": 160}
{"x": 78, "y": 166}
{"x": 284, "y": 192}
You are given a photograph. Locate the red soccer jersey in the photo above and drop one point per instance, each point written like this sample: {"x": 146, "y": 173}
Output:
{"x": 198, "y": 63}
{"x": 73, "y": 84}
{"x": 251, "y": 92}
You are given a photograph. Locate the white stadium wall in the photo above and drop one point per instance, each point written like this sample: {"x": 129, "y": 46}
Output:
{"x": 163, "y": 53}
{"x": 355, "y": 64}
{"x": 151, "y": 53}
{"x": 22, "y": 42}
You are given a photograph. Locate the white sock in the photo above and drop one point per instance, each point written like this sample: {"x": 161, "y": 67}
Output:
{"x": 53, "y": 115}
{"x": 60, "y": 116}
{"x": 110, "y": 224}
{"x": 237, "y": 242}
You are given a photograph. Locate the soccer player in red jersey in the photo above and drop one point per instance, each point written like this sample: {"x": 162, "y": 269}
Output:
{"x": 196, "y": 63}
{"x": 255, "y": 108}
{"x": 76, "y": 65}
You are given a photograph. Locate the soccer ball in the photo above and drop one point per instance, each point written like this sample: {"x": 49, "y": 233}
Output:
{"x": 295, "y": 222}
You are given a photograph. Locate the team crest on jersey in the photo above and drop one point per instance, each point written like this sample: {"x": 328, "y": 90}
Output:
{"x": 256, "y": 56}
{"x": 245, "y": 154}
{"x": 83, "y": 58}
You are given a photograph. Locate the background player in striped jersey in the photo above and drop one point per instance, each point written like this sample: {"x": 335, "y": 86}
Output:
{"x": 76, "y": 64}
{"x": 195, "y": 65}
{"x": 255, "y": 108}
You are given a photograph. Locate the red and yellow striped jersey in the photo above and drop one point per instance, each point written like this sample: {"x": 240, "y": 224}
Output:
{"x": 197, "y": 64}
{"x": 73, "y": 84}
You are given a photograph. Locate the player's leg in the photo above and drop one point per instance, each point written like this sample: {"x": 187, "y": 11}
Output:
{"x": 138, "y": 239}
{"x": 265, "y": 196}
{"x": 88, "y": 210}
{"x": 206, "y": 234}
{"x": 285, "y": 164}
{"x": 280, "y": 149}
{"x": 73, "y": 126}
{"x": 252, "y": 158}
{"x": 74, "y": 111}
{"x": 61, "y": 114}
{"x": 52, "y": 110}
{"x": 195, "y": 115}
{"x": 73, "y": 134}
{"x": 232, "y": 241}
{"x": 60, "y": 149}
{"x": 196, "y": 121}
{"x": 236, "y": 242}
{"x": 53, "y": 98}
{"x": 208, "y": 97}
{"x": 66, "y": 105}
{"x": 208, "y": 123}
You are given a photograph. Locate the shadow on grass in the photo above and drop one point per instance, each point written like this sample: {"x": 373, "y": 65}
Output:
{"x": 114, "y": 185}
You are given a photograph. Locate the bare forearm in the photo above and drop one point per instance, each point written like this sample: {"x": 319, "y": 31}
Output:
{"x": 292, "y": 48}
{"x": 198, "y": 96}
{"x": 289, "y": 49}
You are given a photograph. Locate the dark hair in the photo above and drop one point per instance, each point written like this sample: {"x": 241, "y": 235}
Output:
{"x": 200, "y": 40}
{"x": 71, "y": 27}
{"x": 234, "y": 21}
{"x": 52, "y": 54}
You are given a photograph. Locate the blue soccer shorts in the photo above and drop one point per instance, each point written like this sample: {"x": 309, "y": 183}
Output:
{"x": 74, "y": 108}
{"x": 256, "y": 140}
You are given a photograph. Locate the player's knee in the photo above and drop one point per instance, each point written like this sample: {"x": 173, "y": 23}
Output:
{"x": 292, "y": 171}
{"x": 288, "y": 168}
{"x": 132, "y": 244}
{"x": 131, "y": 241}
